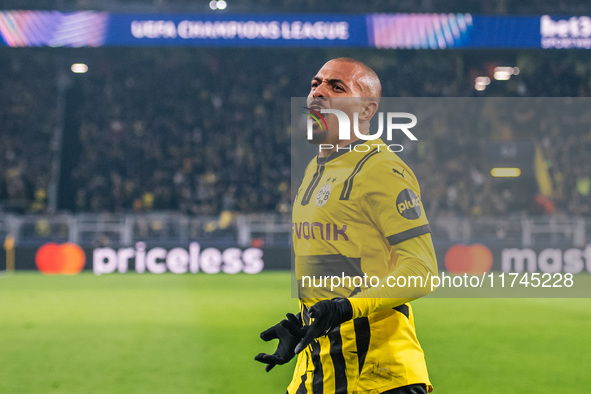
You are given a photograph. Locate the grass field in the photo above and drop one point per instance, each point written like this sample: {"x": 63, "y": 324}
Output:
{"x": 199, "y": 333}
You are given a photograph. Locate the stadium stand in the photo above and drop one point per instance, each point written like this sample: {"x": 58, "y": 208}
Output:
{"x": 201, "y": 131}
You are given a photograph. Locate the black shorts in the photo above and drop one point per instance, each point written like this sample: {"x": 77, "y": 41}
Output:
{"x": 410, "y": 389}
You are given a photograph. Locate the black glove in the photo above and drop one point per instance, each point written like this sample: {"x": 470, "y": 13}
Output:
{"x": 327, "y": 315}
{"x": 289, "y": 332}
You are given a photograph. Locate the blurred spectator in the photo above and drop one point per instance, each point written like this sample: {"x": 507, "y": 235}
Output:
{"x": 206, "y": 131}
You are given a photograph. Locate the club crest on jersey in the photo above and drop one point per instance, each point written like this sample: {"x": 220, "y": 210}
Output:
{"x": 408, "y": 205}
{"x": 323, "y": 195}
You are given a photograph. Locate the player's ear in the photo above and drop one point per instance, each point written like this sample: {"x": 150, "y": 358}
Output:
{"x": 369, "y": 110}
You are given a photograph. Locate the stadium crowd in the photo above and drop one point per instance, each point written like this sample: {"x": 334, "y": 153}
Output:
{"x": 202, "y": 131}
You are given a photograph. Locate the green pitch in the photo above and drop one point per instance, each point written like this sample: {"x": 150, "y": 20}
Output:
{"x": 199, "y": 333}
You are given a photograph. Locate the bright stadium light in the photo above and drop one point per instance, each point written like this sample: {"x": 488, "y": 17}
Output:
{"x": 79, "y": 68}
{"x": 480, "y": 83}
{"x": 482, "y": 80}
{"x": 505, "y": 172}
{"x": 504, "y": 73}
{"x": 218, "y": 5}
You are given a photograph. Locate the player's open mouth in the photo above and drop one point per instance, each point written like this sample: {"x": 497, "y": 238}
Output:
{"x": 315, "y": 107}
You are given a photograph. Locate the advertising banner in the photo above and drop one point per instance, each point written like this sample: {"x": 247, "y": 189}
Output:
{"x": 386, "y": 31}
{"x": 70, "y": 259}
{"x": 474, "y": 270}
{"x": 194, "y": 258}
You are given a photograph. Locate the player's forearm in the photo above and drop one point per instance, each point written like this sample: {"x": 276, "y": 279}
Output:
{"x": 408, "y": 281}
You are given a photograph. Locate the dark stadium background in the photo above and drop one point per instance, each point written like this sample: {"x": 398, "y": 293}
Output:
{"x": 163, "y": 147}
{"x": 193, "y": 143}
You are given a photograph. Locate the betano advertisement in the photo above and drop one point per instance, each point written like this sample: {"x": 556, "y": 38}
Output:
{"x": 195, "y": 258}
{"x": 387, "y": 31}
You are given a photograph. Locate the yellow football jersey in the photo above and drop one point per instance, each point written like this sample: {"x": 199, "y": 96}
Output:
{"x": 350, "y": 212}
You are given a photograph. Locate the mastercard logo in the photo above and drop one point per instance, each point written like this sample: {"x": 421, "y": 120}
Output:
{"x": 472, "y": 260}
{"x": 65, "y": 259}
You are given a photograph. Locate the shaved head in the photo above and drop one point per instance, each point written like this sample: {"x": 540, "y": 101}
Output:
{"x": 350, "y": 86}
{"x": 366, "y": 77}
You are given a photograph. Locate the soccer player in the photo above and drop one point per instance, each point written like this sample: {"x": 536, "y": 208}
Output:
{"x": 356, "y": 213}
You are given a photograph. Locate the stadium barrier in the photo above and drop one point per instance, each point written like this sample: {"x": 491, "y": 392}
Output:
{"x": 225, "y": 230}
{"x": 167, "y": 242}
